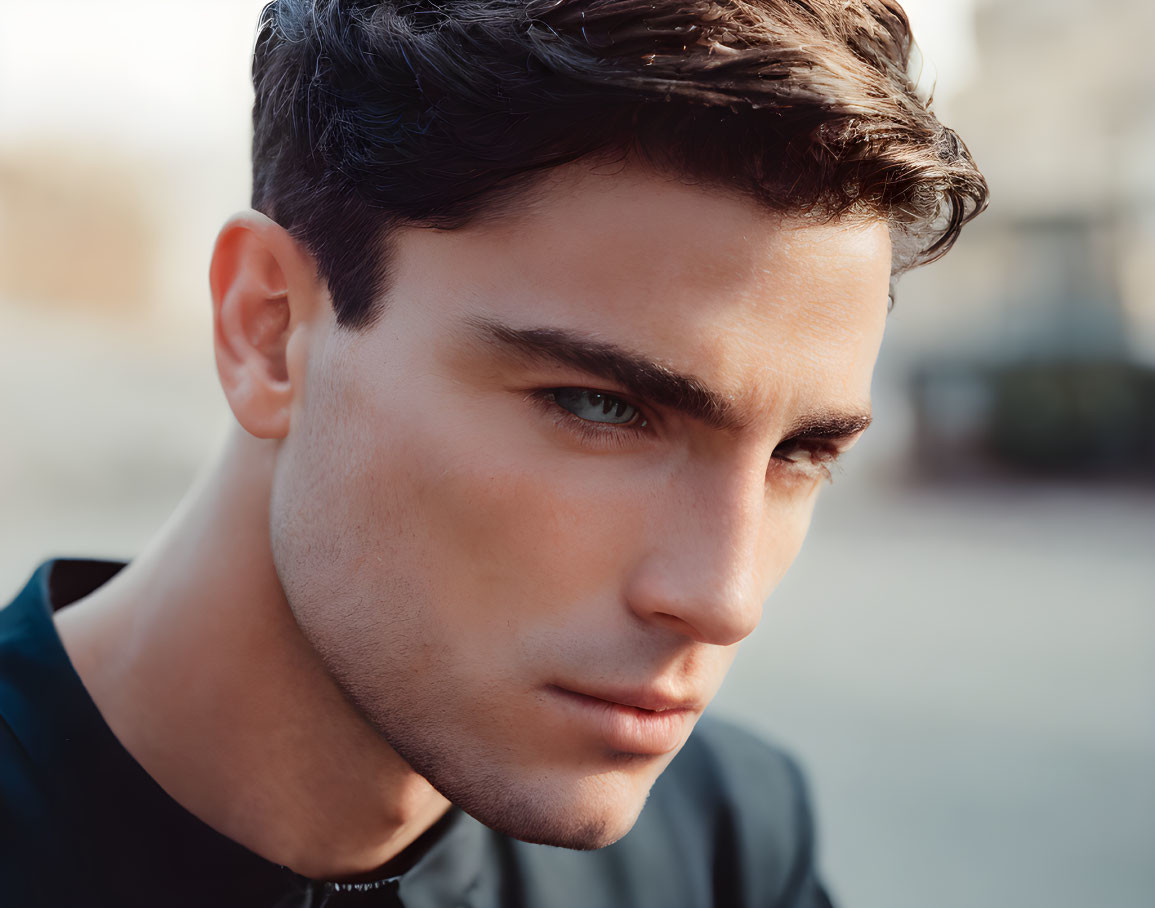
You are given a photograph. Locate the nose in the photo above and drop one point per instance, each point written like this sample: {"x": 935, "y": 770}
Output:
{"x": 700, "y": 571}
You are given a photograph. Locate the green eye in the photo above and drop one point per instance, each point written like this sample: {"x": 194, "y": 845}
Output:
{"x": 595, "y": 406}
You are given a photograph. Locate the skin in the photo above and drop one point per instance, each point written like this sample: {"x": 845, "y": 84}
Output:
{"x": 411, "y": 561}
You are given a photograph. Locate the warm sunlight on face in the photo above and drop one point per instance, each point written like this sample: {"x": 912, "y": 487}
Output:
{"x": 527, "y": 517}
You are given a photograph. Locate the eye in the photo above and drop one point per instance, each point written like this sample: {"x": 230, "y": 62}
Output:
{"x": 596, "y": 406}
{"x": 808, "y": 456}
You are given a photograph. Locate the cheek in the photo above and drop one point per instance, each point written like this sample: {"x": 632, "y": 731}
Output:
{"x": 472, "y": 528}
{"x": 525, "y": 538}
{"x": 787, "y": 522}
{"x": 341, "y": 556}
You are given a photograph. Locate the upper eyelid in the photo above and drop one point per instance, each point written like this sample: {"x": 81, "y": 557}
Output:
{"x": 830, "y": 448}
{"x": 627, "y": 396}
{"x": 834, "y": 444}
{"x": 645, "y": 408}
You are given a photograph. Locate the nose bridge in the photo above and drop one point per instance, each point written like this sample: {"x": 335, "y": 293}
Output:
{"x": 702, "y": 571}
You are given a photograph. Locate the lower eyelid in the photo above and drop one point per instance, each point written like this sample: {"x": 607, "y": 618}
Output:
{"x": 604, "y": 435}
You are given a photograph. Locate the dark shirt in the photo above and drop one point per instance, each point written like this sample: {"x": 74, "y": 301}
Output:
{"x": 82, "y": 825}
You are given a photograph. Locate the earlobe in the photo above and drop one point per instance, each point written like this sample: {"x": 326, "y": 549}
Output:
{"x": 264, "y": 290}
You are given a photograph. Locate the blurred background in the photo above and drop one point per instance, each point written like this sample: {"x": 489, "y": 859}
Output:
{"x": 964, "y": 654}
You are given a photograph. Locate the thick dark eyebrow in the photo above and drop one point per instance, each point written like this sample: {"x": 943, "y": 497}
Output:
{"x": 640, "y": 376}
{"x": 648, "y": 379}
{"x": 829, "y": 426}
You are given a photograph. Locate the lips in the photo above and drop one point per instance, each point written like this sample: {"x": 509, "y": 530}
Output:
{"x": 639, "y": 721}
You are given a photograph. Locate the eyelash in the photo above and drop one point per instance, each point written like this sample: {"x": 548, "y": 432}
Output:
{"x": 823, "y": 455}
{"x": 605, "y": 434}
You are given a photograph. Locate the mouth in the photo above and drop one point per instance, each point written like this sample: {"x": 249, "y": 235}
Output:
{"x": 641, "y": 722}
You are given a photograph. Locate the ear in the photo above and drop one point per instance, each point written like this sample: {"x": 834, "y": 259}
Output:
{"x": 265, "y": 293}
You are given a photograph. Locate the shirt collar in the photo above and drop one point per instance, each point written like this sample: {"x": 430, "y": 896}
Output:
{"x": 93, "y": 780}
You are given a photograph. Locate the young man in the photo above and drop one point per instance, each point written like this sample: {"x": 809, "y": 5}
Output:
{"x": 547, "y": 324}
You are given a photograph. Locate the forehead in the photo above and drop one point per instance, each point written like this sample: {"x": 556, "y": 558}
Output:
{"x": 705, "y": 282}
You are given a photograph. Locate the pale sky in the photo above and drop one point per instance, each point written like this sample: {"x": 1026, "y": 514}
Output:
{"x": 162, "y": 75}
{"x": 944, "y": 30}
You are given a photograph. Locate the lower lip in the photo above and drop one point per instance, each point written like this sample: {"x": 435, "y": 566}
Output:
{"x": 628, "y": 729}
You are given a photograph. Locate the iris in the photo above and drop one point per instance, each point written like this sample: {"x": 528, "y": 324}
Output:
{"x": 596, "y": 406}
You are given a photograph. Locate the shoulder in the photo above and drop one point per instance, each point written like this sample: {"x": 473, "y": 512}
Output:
{"x": 28, "y": 835}
{"x": 727, "y": 824}
{"x": 761, "y": 785}
{"x": 750, "y": 799}
{"x": 730, "y": 756}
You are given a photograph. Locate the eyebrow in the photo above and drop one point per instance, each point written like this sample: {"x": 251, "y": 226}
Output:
{"x": 647, "y": 379}
{"x": 832, "y": 426}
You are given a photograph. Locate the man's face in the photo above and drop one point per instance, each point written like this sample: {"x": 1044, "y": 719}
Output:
{"x": 527, "y": 517}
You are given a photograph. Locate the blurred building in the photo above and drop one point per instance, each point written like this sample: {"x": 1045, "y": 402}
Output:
{"x": 76, "y": 232}
{"x": 124, "y": 134}
{"x": 1053, "y": 289}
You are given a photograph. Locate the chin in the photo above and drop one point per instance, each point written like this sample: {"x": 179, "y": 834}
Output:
{"x": 546, "y": 824}
{"x": 583, "y": 814}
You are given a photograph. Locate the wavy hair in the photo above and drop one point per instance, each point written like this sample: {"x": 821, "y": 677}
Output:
{"x": 370, "y": 115}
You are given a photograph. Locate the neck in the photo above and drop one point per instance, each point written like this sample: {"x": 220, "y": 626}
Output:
{"x": 196, "y": 663}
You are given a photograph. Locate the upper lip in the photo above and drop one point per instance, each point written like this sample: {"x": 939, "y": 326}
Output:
{"x": 647, "y": 698}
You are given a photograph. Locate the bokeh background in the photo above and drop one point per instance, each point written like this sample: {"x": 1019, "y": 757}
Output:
{"x": 964, "y": 654}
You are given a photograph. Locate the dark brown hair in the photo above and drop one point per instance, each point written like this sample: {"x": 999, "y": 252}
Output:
{"x": 428, "y": 112}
